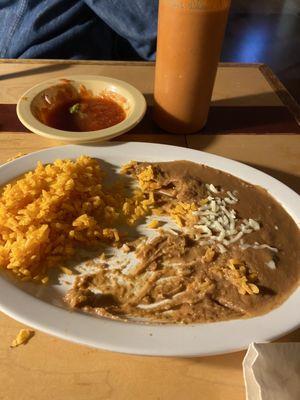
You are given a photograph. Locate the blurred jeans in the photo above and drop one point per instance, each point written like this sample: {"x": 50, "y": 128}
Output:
{"x": 78, "y": 29}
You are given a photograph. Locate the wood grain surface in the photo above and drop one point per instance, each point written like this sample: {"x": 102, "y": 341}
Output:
{"x": 228, "y": 120}
{"x": 49, "y": 368}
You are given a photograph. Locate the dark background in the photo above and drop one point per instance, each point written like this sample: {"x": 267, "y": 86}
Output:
{"x": 266, "y": 31}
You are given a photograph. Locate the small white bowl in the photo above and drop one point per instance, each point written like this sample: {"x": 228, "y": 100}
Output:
{"x": 134, "y": 105}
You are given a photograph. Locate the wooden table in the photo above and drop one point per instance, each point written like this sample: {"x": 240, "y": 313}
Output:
{"x": 254, "y": 120}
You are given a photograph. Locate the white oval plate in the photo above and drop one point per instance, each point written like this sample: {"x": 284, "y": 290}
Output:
{"x": 41, "y": 311}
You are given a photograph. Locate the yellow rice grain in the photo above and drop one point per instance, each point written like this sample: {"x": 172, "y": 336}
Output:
{"x": 22, "y": 337}
{"x": 154, "y": 224}
{"x": 209, "y": 255}
{"x": 46, "y": 214}
{"x": 66, "y": 270}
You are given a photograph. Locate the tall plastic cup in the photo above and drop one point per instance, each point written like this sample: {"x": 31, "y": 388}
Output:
{"x": 190, "y": 36}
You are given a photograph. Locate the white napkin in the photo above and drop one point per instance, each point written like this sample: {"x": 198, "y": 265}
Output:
{"x": 272, "y": 371}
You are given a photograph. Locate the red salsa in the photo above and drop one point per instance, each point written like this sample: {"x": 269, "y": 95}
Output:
{"x": 80, "y": 112}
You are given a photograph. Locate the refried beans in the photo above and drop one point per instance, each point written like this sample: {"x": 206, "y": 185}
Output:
{"x": 234, "y": 252}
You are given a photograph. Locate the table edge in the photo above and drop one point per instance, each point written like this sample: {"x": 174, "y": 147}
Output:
{"x": 109, "y": 62}
{"x": 282, "y": 92}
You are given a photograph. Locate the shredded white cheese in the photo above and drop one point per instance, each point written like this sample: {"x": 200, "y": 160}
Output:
{"x": 271, "y": 264}
{"x": 218, "y": 223}
{"x": 212, "y": 188}
{"x": 257, "y": 246}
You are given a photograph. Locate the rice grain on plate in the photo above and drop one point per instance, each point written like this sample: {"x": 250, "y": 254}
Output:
{"x": 49, "y": 212}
